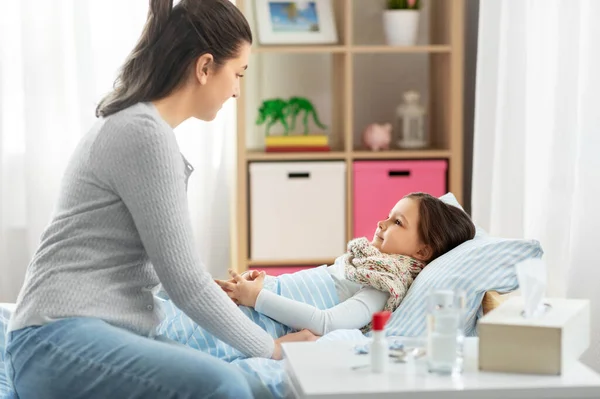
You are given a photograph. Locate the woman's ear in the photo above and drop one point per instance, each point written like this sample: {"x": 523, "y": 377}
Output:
{"x": 203, "y": 68}
{"x": 424, "y": 253}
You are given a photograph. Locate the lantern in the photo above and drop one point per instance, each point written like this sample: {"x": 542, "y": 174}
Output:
{"x": 410, "y": 125}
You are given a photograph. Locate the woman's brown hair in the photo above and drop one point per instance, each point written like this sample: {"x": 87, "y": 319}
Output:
{"x": 442, "y": 227}
{"x": 172, "y": 40}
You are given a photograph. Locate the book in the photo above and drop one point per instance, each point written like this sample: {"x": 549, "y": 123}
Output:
{"x": 296, "y": 140}
{"x": 289, "y": 148}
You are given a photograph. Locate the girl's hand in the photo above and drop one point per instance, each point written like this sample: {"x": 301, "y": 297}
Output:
{"x": 251, "y": 275}
{"x": 242, "y": 291}
{"x": 300, "y": 336}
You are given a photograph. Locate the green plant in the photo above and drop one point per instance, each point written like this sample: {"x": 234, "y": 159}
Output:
{"x": 404, "y": 4}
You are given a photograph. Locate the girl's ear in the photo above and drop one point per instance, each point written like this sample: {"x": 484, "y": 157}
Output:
{"x": 424, "y": 253}
{"x": 203, "y": 66}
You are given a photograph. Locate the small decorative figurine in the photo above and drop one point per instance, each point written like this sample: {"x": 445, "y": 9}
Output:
{"x": 299, "y": 104}
{"x": 276, "y": 110}
{"x": 377, "y": 137}
{"x": 273, "y": 111}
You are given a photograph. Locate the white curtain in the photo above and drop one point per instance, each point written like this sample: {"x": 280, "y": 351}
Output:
{"x": 57, "y": 59}
{"x": 536, "y": 170}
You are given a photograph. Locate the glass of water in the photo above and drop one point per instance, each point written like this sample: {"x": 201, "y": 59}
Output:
{"x": 445, "y": 331}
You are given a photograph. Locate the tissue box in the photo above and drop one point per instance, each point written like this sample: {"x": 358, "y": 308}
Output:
{"x": 509, "y": 342}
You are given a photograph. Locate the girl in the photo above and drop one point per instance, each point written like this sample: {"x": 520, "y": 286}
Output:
{"x": 371, "y": 276}
{"x": 86, "y": 318}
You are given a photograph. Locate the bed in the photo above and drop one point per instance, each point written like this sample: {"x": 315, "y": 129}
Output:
{"x": 271, "y": 372}
{"x": 484, "y": 268}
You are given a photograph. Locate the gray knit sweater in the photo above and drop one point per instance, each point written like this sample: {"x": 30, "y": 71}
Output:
{"x": 120, "y": 229}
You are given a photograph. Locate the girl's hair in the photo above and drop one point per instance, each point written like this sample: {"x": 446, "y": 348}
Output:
{"x": 441, "y": 226}
{"x": 172, "y": 40}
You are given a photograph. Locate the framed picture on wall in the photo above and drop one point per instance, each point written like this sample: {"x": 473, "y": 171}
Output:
{"x": 295, "y": 22}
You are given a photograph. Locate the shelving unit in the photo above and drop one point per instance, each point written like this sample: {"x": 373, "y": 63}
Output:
{"x": 354, "y": 83}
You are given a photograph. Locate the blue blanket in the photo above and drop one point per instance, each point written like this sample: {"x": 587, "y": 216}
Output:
{"x": 312, "y": 286}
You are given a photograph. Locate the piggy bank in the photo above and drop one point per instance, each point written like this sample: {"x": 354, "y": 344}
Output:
{"x": 377, "y": 137}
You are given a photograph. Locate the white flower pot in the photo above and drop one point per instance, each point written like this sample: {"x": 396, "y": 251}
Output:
{"x": 401, "y": 27}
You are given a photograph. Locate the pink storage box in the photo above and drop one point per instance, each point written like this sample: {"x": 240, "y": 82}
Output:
{"x": 379, "y": 185}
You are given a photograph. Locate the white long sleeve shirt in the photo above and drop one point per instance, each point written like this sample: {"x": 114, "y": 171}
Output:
{"x": 355, "y": 310}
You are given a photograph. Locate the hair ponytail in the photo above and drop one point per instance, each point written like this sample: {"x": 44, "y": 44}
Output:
{"x": 158, "y": 17}
{"x": 172, "y": 39}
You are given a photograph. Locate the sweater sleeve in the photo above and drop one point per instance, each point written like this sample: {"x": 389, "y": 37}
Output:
{"x": 142, "y": 163}
{"x": 355, "y": 312}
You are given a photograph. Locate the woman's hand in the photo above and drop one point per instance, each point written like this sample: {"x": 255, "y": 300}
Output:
{"x": 242, "y": 291}
{"x": 249, "y": 275}
{"x": 300, "y": 336}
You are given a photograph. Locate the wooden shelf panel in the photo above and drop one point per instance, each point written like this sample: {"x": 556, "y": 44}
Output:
{"x": 300, "y": 49}
{"x": 341, "y": 155}
{"x": 294, "y": 156}
{"x": 290, "y": 262}
{"x": 358, "y": 49}
{"x": 400, "y": 154}
{"x": 383, "y": 49}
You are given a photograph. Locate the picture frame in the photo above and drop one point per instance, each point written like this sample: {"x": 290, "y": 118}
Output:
{"x": 281, "y": 22}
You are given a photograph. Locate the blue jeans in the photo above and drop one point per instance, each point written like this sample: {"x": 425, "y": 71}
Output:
{"x": 89, "y": 358}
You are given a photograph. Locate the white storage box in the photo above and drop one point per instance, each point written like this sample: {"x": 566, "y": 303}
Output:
{"x": 297, "y": 210}
{"x": 509, "y": 342}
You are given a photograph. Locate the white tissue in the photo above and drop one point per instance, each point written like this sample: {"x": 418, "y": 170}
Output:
{"x": 532, "y": 283}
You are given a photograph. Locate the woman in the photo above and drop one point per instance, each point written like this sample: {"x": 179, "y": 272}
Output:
{"x": 85, "y": 321}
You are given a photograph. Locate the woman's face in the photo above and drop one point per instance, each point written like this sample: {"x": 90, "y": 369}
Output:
{"x": 217, "y": 85}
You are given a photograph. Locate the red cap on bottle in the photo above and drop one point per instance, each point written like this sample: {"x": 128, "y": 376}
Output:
{"x": 380, "y": 319}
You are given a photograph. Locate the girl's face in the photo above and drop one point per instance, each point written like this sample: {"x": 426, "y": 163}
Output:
{"x": 219, "y": 85}
{"x": 399, "y": 233}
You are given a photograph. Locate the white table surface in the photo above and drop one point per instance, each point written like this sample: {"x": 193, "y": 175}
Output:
{"x": 323, "y": 370}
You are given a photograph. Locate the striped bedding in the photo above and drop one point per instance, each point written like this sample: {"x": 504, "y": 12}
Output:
{"x": 475, "y": 267}
{"x": 313, "y": 286}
